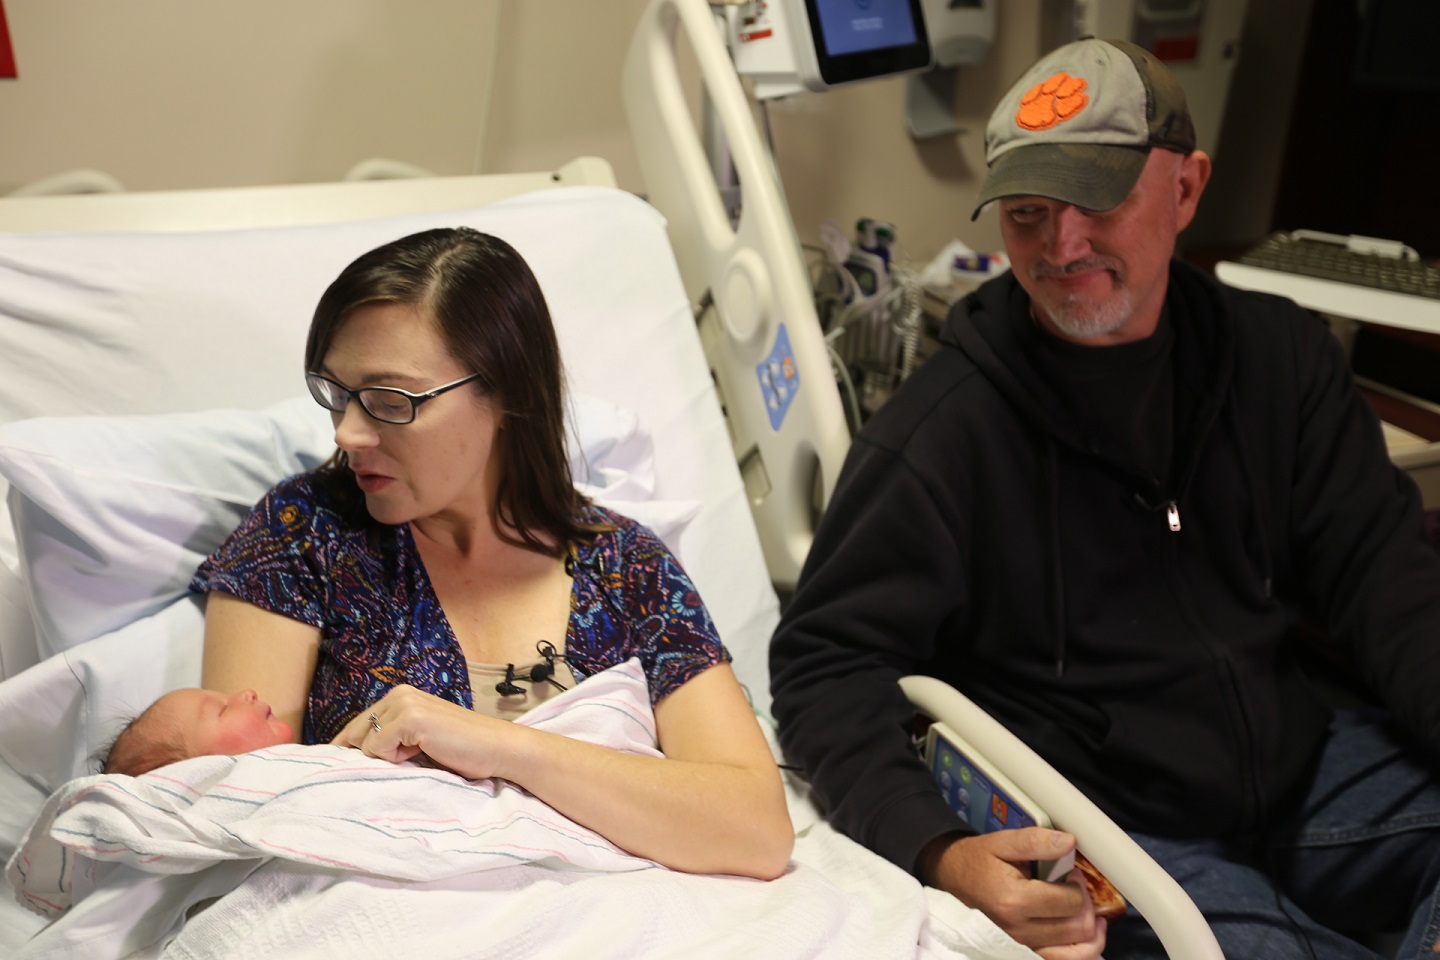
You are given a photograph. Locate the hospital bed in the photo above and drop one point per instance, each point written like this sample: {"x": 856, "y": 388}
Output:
{"x": 150, "y": 391}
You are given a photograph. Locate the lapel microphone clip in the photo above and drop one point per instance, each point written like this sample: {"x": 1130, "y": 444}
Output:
{"x": 540, "y": 673}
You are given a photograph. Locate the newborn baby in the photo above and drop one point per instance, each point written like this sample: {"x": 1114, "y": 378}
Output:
{"x": 192, "y": 722}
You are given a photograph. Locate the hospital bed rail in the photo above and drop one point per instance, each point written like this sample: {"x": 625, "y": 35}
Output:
{"x": 753, "y": 273}
{"x": 1144, "y": 883}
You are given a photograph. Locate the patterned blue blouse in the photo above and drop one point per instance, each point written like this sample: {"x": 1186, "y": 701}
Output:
{"x": 311, "y": 552}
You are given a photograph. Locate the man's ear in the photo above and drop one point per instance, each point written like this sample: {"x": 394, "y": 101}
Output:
{"x": 1190, "y": 184}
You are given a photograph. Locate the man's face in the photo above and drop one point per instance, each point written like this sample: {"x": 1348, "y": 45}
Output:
{"x": 1099, "y": 277}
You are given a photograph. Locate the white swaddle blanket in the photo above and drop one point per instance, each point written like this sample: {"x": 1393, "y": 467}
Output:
{"x": 330, "y": 807}
{"x": 321, "y": 851}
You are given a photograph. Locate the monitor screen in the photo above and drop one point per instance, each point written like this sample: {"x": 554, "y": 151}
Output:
{"x": 858, "y": 39}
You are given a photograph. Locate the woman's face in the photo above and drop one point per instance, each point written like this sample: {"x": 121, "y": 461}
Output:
{"x": 440, "y": 464}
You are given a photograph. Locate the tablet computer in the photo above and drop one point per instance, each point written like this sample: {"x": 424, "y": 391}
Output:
{"x": 988, "y": 800}
{"x": 984, "y": 797}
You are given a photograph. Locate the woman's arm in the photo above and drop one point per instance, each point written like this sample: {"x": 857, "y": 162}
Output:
{"x": 248, "y": 647}
{"x": 713, "y": 804}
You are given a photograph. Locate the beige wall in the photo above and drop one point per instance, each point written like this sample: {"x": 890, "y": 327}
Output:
{"x": 169, "y": 94}
{"x": 173, "y": 93}
{"x": 842, "y": 154}
{"x": 846, "y": 154}
{"x": 557, "y": 90}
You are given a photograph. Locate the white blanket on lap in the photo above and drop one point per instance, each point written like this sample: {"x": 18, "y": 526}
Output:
{"x": 320, "y": 851}
{"x": 331, "y": 807}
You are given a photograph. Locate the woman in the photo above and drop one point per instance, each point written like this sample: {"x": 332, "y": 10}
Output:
{"x": 399, "y": 598}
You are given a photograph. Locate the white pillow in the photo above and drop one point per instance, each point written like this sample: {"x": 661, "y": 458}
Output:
{"x": 17, "y": 627}
{"x": 56, "y": 717}
{"x": 113, "y": 514}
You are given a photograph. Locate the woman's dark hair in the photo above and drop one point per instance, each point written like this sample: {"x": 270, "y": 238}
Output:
{"x": 491, "y": 314}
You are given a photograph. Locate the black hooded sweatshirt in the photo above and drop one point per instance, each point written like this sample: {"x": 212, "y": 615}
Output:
{"x": 1136, "y": 631}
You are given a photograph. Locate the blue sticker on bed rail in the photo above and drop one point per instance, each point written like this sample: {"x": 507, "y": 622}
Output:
{"x": 779, "y": 378}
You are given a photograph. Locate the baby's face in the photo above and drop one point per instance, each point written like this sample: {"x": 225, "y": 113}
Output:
{"x": 213, "y": 723}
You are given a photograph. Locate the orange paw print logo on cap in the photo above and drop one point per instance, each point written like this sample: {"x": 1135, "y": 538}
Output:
{"x": 1052, "y": 101}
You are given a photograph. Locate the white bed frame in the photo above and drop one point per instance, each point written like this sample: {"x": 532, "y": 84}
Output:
{"x": 754, "y": 274}
{"x": 1149, "y": 889}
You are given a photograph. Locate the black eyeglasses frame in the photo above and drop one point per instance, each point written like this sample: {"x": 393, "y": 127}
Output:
{"x": 415, "y": 399}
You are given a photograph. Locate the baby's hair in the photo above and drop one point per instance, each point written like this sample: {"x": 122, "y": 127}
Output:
{"x": 144, "y": 745}
{"x": 99, "y": 760}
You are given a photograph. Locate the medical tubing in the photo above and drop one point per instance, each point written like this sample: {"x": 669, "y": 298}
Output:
{"x": 847, "y": 393}
{"x": 908, "y": 326}
{"x": 829, "y": 267}
{"x": 859, "y": 308}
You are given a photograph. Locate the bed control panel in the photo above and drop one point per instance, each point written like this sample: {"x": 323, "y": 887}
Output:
{"x": 779, "y": 378}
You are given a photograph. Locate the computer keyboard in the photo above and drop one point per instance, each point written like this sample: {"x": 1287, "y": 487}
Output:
{"x": 1367, "y": 261}
{"x": 1364, "y": 278}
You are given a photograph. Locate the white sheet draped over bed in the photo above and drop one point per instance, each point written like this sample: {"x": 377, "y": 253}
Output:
{"x": 321, "y": 851}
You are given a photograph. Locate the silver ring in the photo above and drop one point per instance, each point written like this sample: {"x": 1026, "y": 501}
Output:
{"x": 374, "y": 723}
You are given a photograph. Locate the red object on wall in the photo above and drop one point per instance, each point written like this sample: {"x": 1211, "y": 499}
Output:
{"x": 7, "y": 52}
{"x": 1176, "y": 49}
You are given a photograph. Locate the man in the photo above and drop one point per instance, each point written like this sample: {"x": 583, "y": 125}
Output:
{"x": 1100, "y": 510}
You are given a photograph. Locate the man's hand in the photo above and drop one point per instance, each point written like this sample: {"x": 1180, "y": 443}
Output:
{"x": 991, "y": 873}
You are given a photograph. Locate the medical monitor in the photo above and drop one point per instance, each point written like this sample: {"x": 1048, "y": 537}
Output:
{"x": 860, "y": 39}
{"x": 791, "y": 45}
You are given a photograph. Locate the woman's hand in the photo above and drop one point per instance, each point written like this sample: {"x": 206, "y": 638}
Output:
{"x": 713, "y": 804}
{"x": 407, "y": 721}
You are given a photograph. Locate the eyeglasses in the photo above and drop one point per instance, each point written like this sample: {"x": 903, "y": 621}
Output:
{"x": 386, "y": 404}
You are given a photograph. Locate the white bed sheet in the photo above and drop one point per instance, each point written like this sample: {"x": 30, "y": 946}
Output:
{"x": 151, "y": 323}
{"x": 105, "y": 324}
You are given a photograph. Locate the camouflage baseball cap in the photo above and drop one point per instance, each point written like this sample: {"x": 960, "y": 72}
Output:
{"x": 1079, "y": 125}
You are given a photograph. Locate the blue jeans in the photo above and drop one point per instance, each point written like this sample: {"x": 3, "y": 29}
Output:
{"x": 1361, "y": 856}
